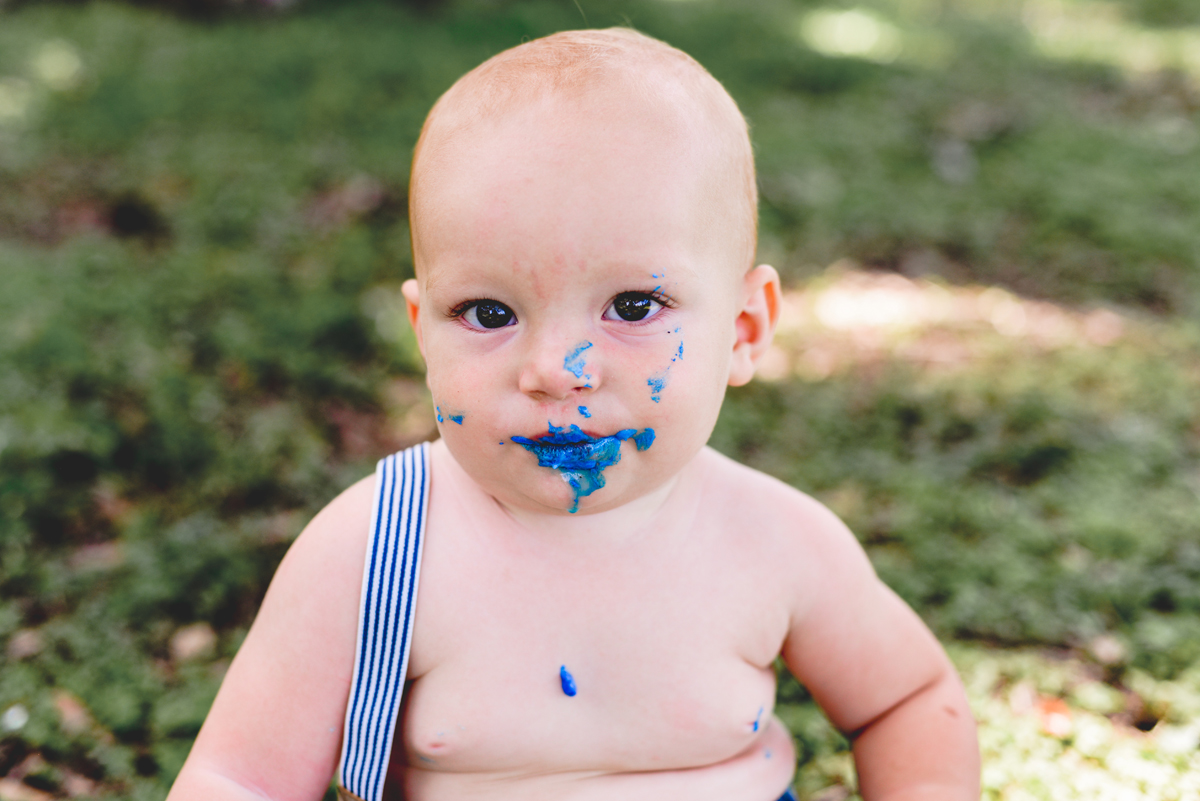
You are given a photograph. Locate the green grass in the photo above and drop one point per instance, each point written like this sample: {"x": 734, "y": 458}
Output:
{"x": 202, "y": 232}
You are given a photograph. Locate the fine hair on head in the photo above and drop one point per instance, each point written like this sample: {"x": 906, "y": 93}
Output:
{"x": 573, "y": 67}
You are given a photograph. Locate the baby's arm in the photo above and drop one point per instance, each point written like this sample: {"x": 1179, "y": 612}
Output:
{"x": 880, "y": 675}
{"x": 275, "y": 728}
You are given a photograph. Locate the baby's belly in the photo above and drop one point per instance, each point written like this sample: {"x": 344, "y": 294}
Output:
{"x": 760, "y": 772}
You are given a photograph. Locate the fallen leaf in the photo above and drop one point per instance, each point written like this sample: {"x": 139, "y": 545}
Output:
{"x": 25, "y": 643}
{"x": 192, "y": 642}
{"x": 73, "y": 716}
{"x": 1054, "y": 716}
{"x": 14, "y": 790}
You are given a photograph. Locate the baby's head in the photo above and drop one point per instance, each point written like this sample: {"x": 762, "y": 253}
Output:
{"x": 583, "y": 221}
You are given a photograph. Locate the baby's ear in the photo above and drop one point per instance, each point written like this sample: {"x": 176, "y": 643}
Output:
{"x": 755, "y": 324}
{"x": 412, "y": 299}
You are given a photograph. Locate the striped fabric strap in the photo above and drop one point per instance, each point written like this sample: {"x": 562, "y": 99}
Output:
{"x": 385, "y": 619}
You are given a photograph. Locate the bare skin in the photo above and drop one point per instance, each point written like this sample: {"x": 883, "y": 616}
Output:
{"x": 668, "y": 593}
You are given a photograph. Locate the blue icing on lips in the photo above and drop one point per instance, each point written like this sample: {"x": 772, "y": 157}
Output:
{"x": 574, "y": 362}
{"x": 581, "y": 458}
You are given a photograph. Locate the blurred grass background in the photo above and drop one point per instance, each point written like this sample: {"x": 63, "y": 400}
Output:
{"x": 987, "y": 214}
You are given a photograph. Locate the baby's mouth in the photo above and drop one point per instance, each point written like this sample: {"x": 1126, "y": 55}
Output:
{"x": 580, "y": 457}
{"x": 575, "y": 449}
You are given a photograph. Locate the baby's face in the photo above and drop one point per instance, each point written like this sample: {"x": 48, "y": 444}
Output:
{"x": 576, "y": 306}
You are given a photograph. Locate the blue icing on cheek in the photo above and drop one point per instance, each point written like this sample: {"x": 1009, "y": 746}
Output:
{"x": 567, "y": 681}
{"x": 656, "y": 383}
{"x": 583, "y": 410}
{"x": 456, "y": 418}
{"x": 574, "y": 362}
{"x": 659, "y": 380}
{"x": 581, "y": 458}
{"x": 438, "y": 409}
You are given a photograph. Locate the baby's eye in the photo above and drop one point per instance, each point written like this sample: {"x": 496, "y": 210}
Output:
{"x": 486, "y": 314}
{"x": 633, "y": 307}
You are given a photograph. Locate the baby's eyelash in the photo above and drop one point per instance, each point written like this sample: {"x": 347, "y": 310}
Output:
{"x": 658, "y": 297}
{"x": 461, "y": 309}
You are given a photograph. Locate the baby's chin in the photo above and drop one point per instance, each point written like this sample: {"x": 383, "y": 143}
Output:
{"x": 524, "y": 488}
{"x": 546, "y": 492}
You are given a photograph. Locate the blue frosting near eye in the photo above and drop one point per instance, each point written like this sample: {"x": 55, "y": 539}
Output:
{"x": 584, "y": 411}
{"x": 574, "y": 362}
{"x": 567, "y": 681}
{"x": 581, "y": 458}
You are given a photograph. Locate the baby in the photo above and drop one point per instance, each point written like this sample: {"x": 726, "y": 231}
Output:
{"x": 602, "y": 597}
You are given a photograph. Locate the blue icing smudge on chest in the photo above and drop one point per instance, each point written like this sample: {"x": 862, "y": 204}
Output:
{"x": 567, "y": 681}
{"x": 581, "y": 458}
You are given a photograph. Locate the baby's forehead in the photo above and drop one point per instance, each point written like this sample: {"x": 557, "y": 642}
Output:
{"x": 591, "y": 77}
{"x": 578, "y": 85}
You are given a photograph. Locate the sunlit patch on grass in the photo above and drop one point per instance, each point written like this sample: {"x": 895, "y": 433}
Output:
{"x": 1089, "y": 30}
{"x": 855, "y": 33}
{"x": 850, "y": 317}
{"x": 16, "y": 96}
{"x": 58, "y": 65}
{"x": 1050, "y": 727}
{"x": 55, "y": 66}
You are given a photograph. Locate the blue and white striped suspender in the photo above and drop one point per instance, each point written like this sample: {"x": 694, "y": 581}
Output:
{"x": 385, "y": 619}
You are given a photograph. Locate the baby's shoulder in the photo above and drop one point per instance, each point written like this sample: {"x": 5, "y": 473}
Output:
{"x": 731, "y": 491}
{"x": 330, "y": 551}
{"x": 776, "y": 525}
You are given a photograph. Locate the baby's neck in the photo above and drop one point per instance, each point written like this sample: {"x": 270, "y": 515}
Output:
{"x": 613, "y": 525}
{"x": 646, "y": 514}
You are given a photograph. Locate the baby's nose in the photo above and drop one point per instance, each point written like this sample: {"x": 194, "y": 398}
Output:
{"x": 556, "y": 370}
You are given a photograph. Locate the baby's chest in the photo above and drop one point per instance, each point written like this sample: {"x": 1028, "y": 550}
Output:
{"x": 529, "y": 702}
{"x": 512, "y": 672}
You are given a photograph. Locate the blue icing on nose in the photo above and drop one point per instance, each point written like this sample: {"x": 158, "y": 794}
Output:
{"x": 581, "y": 458}
{"x": 574, "y": 362}
{"x": 584, "y": 411}
{"x": 567, "y": 681}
